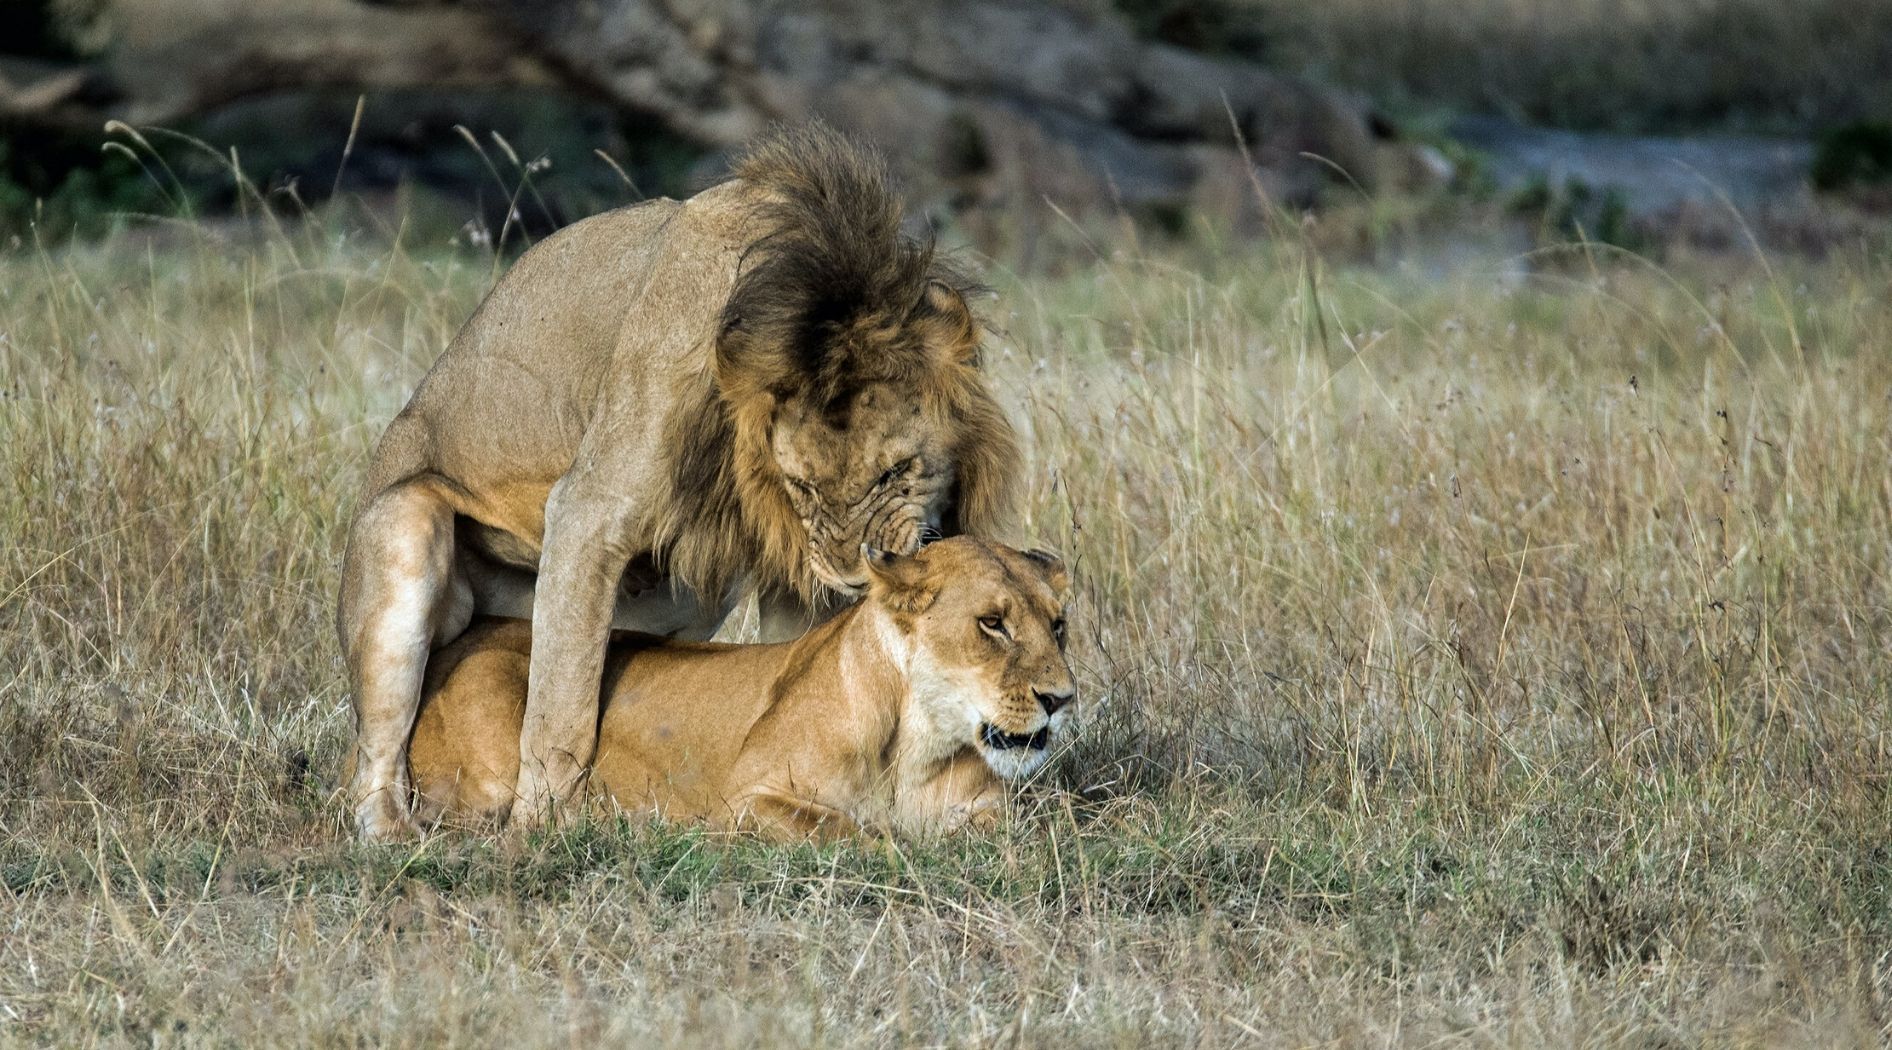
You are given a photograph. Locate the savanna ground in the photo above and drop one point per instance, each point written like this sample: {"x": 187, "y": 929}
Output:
{"x": 1495, "y": 658}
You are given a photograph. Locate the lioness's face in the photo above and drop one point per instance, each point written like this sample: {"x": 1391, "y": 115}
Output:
{"x": 872, "y": 467}
{"x": 984, "y": 627}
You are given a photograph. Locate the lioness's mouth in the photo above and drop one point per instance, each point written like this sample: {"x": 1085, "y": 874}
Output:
{"x": 999, "y": 740}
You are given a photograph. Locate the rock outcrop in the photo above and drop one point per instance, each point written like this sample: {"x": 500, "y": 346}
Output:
{"x": 988, "y": 103}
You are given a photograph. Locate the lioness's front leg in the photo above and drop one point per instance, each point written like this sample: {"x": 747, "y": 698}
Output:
{"x": 780, "y": 815}
{"x": 587, "y": 545}
{"x": 962, "y": 793}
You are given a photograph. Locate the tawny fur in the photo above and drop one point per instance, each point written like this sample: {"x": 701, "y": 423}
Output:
{"x": 657, "y": 410}
{"x": 871, "y": 721}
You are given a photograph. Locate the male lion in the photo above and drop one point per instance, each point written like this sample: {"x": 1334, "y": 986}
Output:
{"x": 903, "y": 713}
{"x": 658, "y": 410}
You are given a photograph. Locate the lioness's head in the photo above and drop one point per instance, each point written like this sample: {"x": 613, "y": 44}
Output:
{"x": 847, "y": 360}
{"x": 980, "y": 627}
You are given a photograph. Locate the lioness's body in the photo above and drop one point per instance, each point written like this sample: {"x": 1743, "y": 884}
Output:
{"x": 674, "y": 726}
{"x": 873, "y": 719}
{"x": 657, "y": 410}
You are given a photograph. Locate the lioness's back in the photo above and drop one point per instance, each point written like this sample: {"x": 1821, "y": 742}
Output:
{"x": 465, "y": 751}
{"x": 674, "y": 716}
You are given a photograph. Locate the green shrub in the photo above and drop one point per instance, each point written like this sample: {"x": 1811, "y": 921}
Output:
{"x": 1213, "y": 26}
{"x": 45, "y": 188}
{"x": 1853, "y": 154}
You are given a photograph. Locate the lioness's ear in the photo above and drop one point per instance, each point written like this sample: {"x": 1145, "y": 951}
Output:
{"x": 949, "y": 320}
{"x": 1052, "y": 567}
{"x": 879, "y": 563}
{"x": 899, "y": 583}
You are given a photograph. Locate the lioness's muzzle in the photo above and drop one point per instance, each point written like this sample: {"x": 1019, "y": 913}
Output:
{"x": 999, "y": 740}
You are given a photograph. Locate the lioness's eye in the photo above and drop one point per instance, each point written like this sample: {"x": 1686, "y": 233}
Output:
{"x": 994, "y": 624}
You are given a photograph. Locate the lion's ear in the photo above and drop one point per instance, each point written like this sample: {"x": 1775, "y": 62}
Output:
{"x": 899, "y": 583}
{"x": 950, "y": 326}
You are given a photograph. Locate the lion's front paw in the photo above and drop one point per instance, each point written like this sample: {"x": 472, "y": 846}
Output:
{"x": 382, "y": 817}
{"x": 532, "y": 805}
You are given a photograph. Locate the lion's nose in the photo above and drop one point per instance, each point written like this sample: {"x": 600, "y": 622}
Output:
{"x": 1051, "y": 702}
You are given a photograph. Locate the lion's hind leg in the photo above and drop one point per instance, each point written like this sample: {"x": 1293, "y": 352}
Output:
{"x": 403, "y": 594}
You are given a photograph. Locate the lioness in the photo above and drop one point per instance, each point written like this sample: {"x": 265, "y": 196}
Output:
{"x": 902, "y": 713}
{"x": 656, "y": 411}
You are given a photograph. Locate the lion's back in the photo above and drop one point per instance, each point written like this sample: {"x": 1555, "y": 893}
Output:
{"x": 621, "y": 306}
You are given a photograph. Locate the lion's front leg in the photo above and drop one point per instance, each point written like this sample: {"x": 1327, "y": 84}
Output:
{"x": 587, "y": 546}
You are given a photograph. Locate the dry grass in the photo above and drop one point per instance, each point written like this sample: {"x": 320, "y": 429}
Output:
{"x": 1474, "y": 663}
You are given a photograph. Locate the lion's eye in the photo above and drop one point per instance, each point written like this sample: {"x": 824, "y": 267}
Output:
{"x": 1057, "y": 630}
{"x": 993, "y": 625}
{"x": 893, "y": 472}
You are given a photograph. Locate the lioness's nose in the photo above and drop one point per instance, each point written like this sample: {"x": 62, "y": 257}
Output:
{"x": 1051, "y": 702}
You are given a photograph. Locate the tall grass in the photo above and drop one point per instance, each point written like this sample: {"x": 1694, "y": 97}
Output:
{"x": 1484, "y": 661}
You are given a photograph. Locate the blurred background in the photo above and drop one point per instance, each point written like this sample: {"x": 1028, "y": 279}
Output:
{"x": 1643, "y": 123}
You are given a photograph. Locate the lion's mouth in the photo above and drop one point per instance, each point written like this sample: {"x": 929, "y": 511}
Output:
{"x": 833, "y": 581}
{"x": 847, "y": 590}
{"x": 999, "y": 740}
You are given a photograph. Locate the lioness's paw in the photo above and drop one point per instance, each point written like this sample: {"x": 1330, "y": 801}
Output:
{"x": 983, "y": 814}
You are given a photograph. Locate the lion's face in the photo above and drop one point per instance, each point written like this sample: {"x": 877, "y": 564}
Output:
{"x": 872, "y": 468}
{"x": 983, "y": 628}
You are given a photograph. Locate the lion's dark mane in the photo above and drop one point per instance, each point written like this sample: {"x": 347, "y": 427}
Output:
{"x": 833, "y": 262}
{"x": 830, "y": 296}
